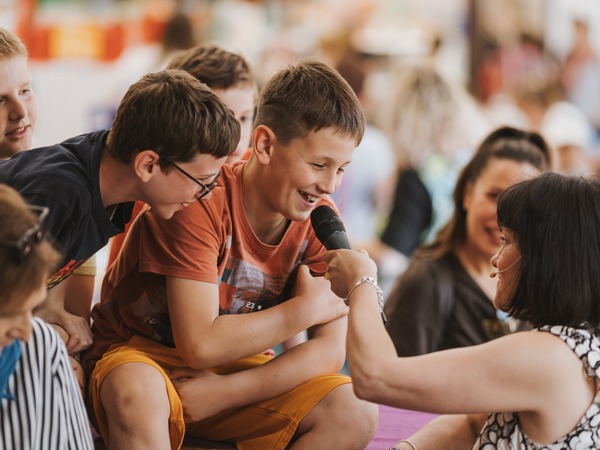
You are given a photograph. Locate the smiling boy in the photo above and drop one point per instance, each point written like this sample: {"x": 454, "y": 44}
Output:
{"x": 17, "y": 99}
{"x": 191, "y": 303}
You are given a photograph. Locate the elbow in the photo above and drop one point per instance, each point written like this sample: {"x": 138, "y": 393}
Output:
{"x": 197, "y": 357}
{"x": 366, "y": 383}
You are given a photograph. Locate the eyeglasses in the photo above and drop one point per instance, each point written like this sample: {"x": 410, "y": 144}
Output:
{"x": 206, "y": 188}
{"x": 34, "y": 235}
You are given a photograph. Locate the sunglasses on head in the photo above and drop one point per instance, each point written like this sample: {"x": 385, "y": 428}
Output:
{"x": 33, "y": 236}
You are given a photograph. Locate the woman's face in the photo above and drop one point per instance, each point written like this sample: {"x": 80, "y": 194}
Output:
{"x": 507, "y": 262}
{"x": 479, "y": 201}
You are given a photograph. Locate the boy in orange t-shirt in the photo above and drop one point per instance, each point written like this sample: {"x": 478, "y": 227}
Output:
{"x": 189, "y": 304}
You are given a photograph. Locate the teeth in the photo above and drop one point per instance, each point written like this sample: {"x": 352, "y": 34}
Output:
{"x": 310, "y": 198}
{"x": 184, "y": 204}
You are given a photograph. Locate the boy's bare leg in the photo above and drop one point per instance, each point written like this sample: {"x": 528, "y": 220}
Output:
{"x": 340, "y": 420}
{"x": 135, "y": 398}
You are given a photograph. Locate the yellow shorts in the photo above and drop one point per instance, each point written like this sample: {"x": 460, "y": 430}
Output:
{"x": 268, "y": 424}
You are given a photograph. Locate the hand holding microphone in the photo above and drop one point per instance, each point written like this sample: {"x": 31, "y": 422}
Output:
{"x": 494, "y": 274}
{"x": 330, "y": 230}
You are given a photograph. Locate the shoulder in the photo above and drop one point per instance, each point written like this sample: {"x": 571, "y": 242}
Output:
{"x": 44, "y": 332}
{"x": 44, "y": 344}
{"x": 582, "y": 342}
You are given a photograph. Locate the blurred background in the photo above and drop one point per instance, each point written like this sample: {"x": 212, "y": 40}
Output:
{"x": 84, "y": 53}
{"x": 434, "y": 77}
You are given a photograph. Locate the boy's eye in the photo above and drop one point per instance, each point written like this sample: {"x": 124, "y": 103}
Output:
{"x": 319, "y": 165}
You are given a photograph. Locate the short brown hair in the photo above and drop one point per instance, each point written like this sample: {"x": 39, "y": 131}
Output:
{"x": 307, "y": 97}
{"x": 174, "y": 114}
{"x": 10, "y": 45}
{"x": 20, "y": 279}
{"x": 215, "y": 66}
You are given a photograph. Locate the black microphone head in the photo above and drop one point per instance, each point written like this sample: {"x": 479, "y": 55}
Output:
{"x": 326, "y": 222}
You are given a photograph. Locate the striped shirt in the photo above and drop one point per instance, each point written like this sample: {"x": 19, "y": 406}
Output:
{"x": 48, "y": 410}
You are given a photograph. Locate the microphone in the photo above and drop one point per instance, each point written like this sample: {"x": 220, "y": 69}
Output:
{"x": 329, "y": 228}
{"x": 494, "y": 274}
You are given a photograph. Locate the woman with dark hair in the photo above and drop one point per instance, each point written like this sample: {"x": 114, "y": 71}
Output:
{"x": 444, "y": 299}
{"x": 40, "y": 402}
{"x": 541, "y": 386}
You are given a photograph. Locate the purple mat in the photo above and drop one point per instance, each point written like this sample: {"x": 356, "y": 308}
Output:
{"x": 395, "y": 424}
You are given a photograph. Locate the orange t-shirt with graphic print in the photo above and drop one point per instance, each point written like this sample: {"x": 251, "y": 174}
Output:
{"x": 210, "y": 241}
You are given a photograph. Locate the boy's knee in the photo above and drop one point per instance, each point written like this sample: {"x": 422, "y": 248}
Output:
{"x": 364, "y": 418}
{"x": 134, "y": 388}
{"x": 359, "y": 417}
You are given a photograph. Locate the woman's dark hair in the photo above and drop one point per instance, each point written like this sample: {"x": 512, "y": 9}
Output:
{"x": 504, "y": 143}
{"x": 555, "y": 221}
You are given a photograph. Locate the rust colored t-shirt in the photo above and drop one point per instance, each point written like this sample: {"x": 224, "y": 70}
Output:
{"x": 210, "y": 241}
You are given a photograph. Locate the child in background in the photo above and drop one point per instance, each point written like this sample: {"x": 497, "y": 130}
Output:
{"x": 40, "y": 404}
{"x": 189, "y": 304}
{"x": 530, "y": 389}
{"x": 18, "y": 102}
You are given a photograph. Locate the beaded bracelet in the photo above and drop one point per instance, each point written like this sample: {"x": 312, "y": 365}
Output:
{"x": 373, "y": 283}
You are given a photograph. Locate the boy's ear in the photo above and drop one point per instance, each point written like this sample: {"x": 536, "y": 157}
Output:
{"x": 145, "y": 164}
{"x": 262, "y": 143}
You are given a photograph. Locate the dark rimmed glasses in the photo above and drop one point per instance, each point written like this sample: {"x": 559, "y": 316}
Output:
{"x": 206, "y": 188}
{"x": 33, "y": 236}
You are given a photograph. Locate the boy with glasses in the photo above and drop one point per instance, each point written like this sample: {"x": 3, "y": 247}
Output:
{"x": 190, "y": 304}
{"x": 230, "y": 77}
{"x": 90, "y": 182}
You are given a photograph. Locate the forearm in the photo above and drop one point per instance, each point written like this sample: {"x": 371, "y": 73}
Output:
{"x": 320, "y": 355}
{"x": 369, "y": 347}
{"x": 236, "y": 336}
{"x": 55, "y": 298}
{"x": 450, "y": 432}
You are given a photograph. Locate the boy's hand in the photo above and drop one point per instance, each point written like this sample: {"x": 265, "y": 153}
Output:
{"x": 201, "y": 393}
{"x": 324, "y": 304}
{"x": 78, "y": 333}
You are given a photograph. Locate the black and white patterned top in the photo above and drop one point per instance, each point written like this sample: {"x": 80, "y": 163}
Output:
{"x": 503, "y": 430}
{"x": 45, "y": 410}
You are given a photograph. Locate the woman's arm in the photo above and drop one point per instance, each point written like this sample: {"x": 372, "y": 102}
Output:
{"x": 512, "y": 373}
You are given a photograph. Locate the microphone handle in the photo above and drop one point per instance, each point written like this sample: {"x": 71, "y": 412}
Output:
{"x": 337, "y": 240}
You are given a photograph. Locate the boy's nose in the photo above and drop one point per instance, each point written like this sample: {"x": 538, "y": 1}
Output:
{"x": 18, "y": 110}
{"x": 328, "y": 184}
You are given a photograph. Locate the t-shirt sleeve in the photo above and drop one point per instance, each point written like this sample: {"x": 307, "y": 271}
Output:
{"x": 415, "y": 321}
{"x": 186, "y": 246}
